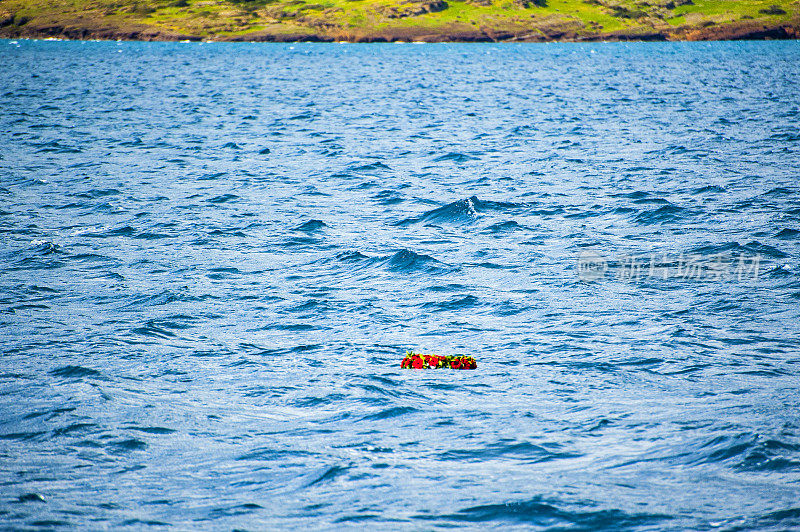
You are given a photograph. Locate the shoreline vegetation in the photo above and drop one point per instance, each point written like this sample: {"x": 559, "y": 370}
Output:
{"x": 401, "y": 20}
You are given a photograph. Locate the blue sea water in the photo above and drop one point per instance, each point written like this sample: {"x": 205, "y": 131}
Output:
{"x": 214, "y": 256}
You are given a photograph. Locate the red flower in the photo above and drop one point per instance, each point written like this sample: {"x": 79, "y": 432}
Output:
{"x": 420, "y": 361}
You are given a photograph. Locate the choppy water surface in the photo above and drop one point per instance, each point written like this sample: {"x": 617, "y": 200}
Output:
{"x": 213, "y": 258}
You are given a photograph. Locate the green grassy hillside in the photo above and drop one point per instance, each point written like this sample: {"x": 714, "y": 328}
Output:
{"x": 428, "y": 20}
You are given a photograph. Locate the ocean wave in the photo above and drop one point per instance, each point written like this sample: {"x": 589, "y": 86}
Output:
{"x": 311, "y": 225}
{"x": 553, "y": 515}
{"x": 409, "y": 261}
{"x": 461, "y": 211}
{"x": 663, "y": 215}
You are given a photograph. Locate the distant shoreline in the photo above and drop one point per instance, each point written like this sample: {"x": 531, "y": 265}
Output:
{"x": 371, "y": 21}
{"x": 727, "y": 32}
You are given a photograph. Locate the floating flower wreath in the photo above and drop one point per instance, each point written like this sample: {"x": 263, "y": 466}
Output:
{"x": 419, "y": 361}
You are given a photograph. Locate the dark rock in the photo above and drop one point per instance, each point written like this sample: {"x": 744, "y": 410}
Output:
{"x": 498, "y": 35}
{"x": 373, "y": 39}
{"x": 626, "y": 36}
{"x": 624, "y": 12}
{"x": 470, "y": 36}
{"x": 740, "y": 31}
{"x": 413, "y": 8}
{"x": 772, "y": 10}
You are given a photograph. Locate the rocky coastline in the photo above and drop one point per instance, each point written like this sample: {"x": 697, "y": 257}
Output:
{"x": 561, "y": 28}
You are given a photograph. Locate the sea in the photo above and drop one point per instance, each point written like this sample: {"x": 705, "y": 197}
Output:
{"x": 214, "y": 256}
